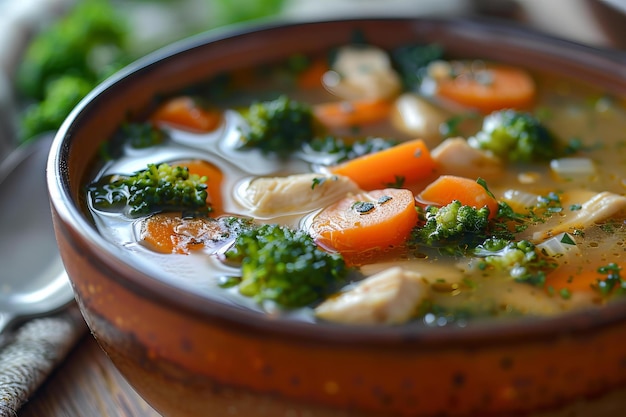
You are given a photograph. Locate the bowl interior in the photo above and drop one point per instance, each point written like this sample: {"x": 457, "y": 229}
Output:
{"x": 188, "y": 62}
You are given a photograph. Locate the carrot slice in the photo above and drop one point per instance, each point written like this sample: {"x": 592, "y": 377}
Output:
{"x": 404, "y": 163}
{"x": 169, "y": 233}
{"x": 311, "y": 77}
{"x": 185, "y": 112}
{"x": 574, "y": 278}
{"x": 448, "y": 188}
{"x": 344, "y": 114}
{"x": 505, "y": 87}
{"x": 367, "y": 221}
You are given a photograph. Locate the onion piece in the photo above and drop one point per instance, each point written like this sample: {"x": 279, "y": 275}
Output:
{"x": 573, "y": 168}
{"x": 560, "y": 245}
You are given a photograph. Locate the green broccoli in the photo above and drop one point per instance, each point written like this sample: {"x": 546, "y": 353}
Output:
{"x": 520, "y": 258}
{"x": 68, "y": 46}
{"x": 452, "y": 228}
{"x": 279, "y": 126}
{"x": 157, "y": 188}
{"x": 411, "y": 61}
{"x": 515, "y": 136}
{"x": 143, "y": 135}
{"x": 336, "y": 150}
{"x": 285, "y": 266}
{"x": 62, "y": 95}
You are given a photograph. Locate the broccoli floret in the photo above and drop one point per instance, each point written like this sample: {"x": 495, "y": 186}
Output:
{"x": 143, "y": 135}
{"x": 411, "y": 61}
{"x": 519, "y": 258}
{"x": 515, "y": 136}
{"x": 339, "y": 150}
{"x": 285, "y": 266}
{"x": 62, "y": 95}
{"x": 452, "y": 228}
{"x": 157, "y": 188}
{"x": 279, "y": 126}
{"x": 66, "y": 48}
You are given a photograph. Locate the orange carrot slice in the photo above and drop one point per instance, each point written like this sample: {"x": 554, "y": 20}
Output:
{"x": 185, "y": 112}
{"x": 368, "y": 221}
{"x": 311, "y": 77}
{"x": 574, "y": 278}
{"x": 505, "y": 87}
{"x": 169, "y": 233}
{"x": 448, "y": 188}
{"x": 402, "y": 164}
{"x": 344, "y": 114}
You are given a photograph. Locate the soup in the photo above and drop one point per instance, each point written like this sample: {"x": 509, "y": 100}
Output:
{"x": 376, "y": 187}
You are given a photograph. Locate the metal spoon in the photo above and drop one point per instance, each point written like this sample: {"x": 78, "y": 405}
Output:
{"x": 32, "y": 279}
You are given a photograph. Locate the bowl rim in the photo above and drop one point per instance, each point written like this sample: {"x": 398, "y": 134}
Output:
{"x": 421, "y": 336}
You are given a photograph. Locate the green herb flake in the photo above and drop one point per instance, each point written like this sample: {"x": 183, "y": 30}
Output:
{"x": 383, "y": 199}
{"x": 398, "y": 183}
{"x": 575, "y": 207}
{"x": 317, "y": 181}
{"x": 470, "y": 283}
{"x": 363, "y": 207}
{"x": 567, "y": 240}
{"x": 612, "y": 279}
{"x": 565, "y": 294}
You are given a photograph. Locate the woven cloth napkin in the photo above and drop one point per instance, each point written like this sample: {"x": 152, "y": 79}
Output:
{"x": 31, "y": 352}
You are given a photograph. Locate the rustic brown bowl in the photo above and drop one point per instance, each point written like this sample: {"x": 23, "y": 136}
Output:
{"x": 191, "y": 356}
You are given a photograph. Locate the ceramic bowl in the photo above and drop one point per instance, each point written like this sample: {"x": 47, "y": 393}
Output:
{"x": 190, "y": 356}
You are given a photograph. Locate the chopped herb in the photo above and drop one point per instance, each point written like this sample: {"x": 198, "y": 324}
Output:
{"x": 321, "y": 180}
{"x": 608, "y": 227}
{"x": 343, "y": 150}
{"x": 398, "y": 183}
{"x": 550, "y": 201}
{"x": 575, "y": 207}
{"x": 574, "y": 145}
{"x": 470, "y": 283}
{"x": 363, "y": 207}
{"x": 483, "y": 184}
{"x": 612, "y": 280}
{"x": 567, "y": 240}
{"x": 384, "y": 199}
{"x": 565, "y": 294}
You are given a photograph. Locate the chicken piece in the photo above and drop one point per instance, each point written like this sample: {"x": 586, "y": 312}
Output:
{"x": 454, "y": 156}
{"x": 418, "y": 117}
{"x": 388, "y": 297}
{"x": 596, "y": 209}
{"x": 362, "y": 73}
{"x": 295, "y": 193}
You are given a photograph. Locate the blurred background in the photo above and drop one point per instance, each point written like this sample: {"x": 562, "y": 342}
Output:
{"x": 52, "y": 52}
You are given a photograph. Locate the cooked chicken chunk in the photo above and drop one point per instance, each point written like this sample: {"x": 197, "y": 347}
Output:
{"x": 454, "y": 156}
{"x": 388, "y": 297}
{"x": 418, "y": 117}
{"x": 595, "y": 209}
{"x": 295, "y": 193}
{"x": 362, "y": 73}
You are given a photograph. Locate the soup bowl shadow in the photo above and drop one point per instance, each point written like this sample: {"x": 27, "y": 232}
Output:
{"x": 188, "y": 355}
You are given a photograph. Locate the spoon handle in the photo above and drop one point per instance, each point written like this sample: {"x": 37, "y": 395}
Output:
{"x": 6, "y": 319}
